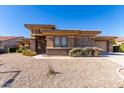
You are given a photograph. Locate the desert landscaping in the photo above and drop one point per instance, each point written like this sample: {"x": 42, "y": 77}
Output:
{"x": 18, "y": 71}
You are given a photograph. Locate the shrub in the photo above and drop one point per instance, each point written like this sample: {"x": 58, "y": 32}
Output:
{"x": 28, "y": 53}
{"x": 114, "y": 42}
{"x": 88, "y": 51}
{"x": 122, "y": 48}
{"x": 76, "y": 52}
{"x": 51, "y": 71}
{"x": 12, "y": 50}
{"x": 97, "y": 51}
{"x": 20, "y": 50}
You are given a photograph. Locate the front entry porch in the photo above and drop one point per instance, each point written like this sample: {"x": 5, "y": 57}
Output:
{"x": 41, "y": 44}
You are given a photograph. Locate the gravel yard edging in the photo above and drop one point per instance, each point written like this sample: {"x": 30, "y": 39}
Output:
{"x": 118, "y": 72}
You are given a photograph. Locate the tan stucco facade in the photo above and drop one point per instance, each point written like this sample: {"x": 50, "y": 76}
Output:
{"x": 74, "y": 39}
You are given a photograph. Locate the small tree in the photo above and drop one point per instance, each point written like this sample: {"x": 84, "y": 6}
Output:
{"x": 114, "y": 42}
{"x": 122, "y": 48}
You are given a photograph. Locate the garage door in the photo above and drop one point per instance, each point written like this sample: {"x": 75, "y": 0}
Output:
{"x": 101, "y": 44}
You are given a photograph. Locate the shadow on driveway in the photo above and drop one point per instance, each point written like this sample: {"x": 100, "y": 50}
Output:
{"x": 10, "y": 81}
{"x": 1, "y": 64}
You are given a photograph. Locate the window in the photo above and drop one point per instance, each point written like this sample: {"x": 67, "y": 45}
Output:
{"x": 57, "y": 41}
{"x": 32, "y": 32}
{"x": 85, "y": 40}
{"x": 60, "y": 41}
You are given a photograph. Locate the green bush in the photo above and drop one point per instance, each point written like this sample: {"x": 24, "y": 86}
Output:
{"x": 114, "y": 42}
{"x": 88, "y": 51}
{"x": 12, "y": 50}
{"x": 76, "y": 52}
{"x": 20, "y": 50}
{"x": 122, "y": 48}
{"x": 28, "y": 53}
{"x": 51, "y": 71}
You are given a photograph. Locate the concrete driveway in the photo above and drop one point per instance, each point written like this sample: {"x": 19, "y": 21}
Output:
{"x": 116, "y": 57}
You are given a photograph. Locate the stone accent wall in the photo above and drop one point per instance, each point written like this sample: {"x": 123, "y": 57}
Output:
{"x": 64, "y": 52}
{"x": 50, "y": 41}
{"x": 33, "y": 44}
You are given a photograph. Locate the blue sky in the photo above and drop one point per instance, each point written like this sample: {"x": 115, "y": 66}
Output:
{"x": 109, "y": 19}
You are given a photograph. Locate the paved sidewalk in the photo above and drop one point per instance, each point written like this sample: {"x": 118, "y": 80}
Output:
{"x": 44, "y": 56}
{"x": 117, "y": 58}
{"x": 114, "y": 57}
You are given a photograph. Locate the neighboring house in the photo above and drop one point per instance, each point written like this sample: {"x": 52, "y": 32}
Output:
{"x": 119, "y": 40}
{"x": 47, "y": 39}
{"x": 9, "y": 41}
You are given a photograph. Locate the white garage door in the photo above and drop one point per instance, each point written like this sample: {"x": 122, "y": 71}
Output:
{"x": 101, "y": 44}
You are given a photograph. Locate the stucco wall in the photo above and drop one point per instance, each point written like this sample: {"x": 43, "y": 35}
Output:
{"x": 1, "y": 44}
{"x": 33, "y": 45}
{"x": 10, "y": 43}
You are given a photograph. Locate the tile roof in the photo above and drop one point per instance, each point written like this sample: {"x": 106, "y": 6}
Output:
{"x": 4, "y": 38}
{"x": 120, "y": 39}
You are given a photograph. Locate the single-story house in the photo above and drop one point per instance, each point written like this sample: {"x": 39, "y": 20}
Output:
{"x": 52, "y": 41}
{"x": 9, "y": 41}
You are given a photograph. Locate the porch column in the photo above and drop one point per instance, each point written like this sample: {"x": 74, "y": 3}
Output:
{"x": 33, "y": 44}
{"x": 50, "y": 45}
{"x": 70, "y": 41}
{"x": 49, "y": 41}
{"x": 110, "y": 48}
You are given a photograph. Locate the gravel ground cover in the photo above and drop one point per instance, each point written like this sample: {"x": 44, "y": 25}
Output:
{"x": 18, "y": 71}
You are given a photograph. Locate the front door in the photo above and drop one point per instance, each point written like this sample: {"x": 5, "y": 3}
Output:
{"x": 41, "y": 44}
